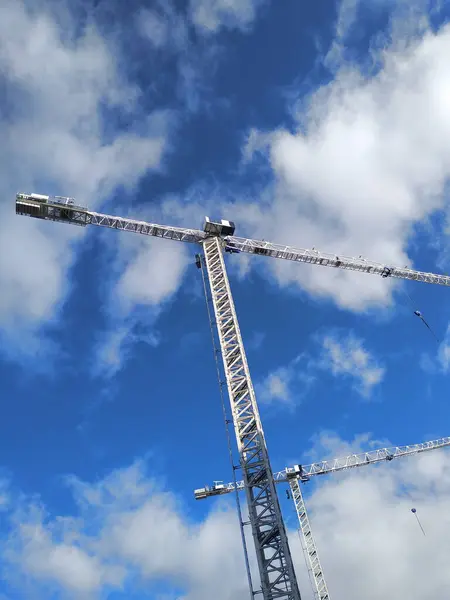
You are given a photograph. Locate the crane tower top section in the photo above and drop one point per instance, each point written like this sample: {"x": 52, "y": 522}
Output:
{"x": 220, "y": 229}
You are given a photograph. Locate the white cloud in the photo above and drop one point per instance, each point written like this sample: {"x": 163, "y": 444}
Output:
{"x": 211, "y": 15}
{"x": 347, "y": 18}
{"x": 163, "y": 26}
{"x": 5, "y": 498}
{"x": 256, "y": 341}
{"x": 129, "y": 530}
{"x": 353, "y": 16}
{"x": 53, "y": 141}
{"x": 282, "y": 384}
{"x": 349, "y": 358}
{"x": 342, "y": 356}
{"x": 154, "y": 28}
{"x": 361, "y": 169}
{"x": 276, "y": 386}
{"x": 113, "y": 346}
{"x": 154, "y": 272}
{"x": 363, "y": 525}
{"x": 147, "y": 274}
{"x": 444, "y": 352}
{"x": 440, "y": 362}
{"x": 35, "y": 550}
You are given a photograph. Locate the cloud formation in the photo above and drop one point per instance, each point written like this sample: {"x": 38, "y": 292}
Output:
{"x": 148, "y": 273}
{"x": 366, "y": 161}
{"x": 55, "y": 140}
{"x": 347, "y": 357}
{"x": 342, "y": 355}
{"x": 444, "y": 352}
{"x": 129, "y": 530}
{"x": 288, "y": 384}
{"x": 209, "y": 16}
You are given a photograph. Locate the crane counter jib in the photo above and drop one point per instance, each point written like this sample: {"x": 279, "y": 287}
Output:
{"x": 64, "y": 209}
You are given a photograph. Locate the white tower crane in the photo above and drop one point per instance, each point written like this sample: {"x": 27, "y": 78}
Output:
{"x": 302, "y": 473}
{"x": 278, "y": 580}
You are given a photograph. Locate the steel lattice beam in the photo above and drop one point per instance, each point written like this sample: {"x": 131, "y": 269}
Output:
{"x": 51, "y": 210}
{"x": 304, "y": 472}
{"x": 321, "y": 590}
{"x": 275, "y": 563}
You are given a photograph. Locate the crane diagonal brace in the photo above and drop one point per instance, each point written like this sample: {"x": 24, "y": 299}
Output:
{"x": 278, "y": 580}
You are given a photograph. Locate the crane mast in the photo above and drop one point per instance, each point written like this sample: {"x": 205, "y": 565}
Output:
{"x": 309, "y": 544}
{"x": 275, "y": 563}
{"x": 298, "y": 473}
{"x": 278, "y": 580}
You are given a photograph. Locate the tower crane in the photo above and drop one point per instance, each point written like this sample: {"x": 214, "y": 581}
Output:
{"x": 303, "y": 473}
{"x": 278, "y": 579}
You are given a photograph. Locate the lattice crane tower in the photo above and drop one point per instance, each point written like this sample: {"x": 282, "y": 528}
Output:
{"x": 278, "y": 580}
{"x": 303, "y": 473}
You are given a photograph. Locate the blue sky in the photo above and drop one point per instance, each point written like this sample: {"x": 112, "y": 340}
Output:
{"x": 320, "y": 125}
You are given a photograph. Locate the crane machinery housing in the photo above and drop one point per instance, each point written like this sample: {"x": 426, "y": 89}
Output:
{"x": 277, "y": 575}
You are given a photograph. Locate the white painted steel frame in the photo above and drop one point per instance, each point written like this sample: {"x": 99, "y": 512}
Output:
{"x": 321, "y": 590}
{"x": 348, "y": 462}
{"x": 278, "y": 580}
{"x": 80, "y": 216}
{"x": 294, "y": 477}
{"x": 325, "y": 259}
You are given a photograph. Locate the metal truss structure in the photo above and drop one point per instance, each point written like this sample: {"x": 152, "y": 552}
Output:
{"x": 305, "y": 472}
{"x": 308, "y": 542}
{"x": 77, "y": 215}
{"x": 278, "y": 580}
{"x": 270, "y": 538}
{"x": 302, "y": 473}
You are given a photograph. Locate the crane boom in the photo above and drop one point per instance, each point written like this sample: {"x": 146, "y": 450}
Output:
{"x": 58, "y": 208}
{"x": 304, "y": 472}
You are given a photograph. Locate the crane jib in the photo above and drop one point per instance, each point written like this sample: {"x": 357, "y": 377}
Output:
{"x": 64, "y": 210}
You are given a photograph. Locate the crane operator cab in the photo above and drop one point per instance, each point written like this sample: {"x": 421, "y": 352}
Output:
{"x": 216, "y": 489}
{"x": 221, "y": 229}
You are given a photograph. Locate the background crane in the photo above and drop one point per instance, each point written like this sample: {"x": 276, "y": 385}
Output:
{"x": 302, "y": 473}
{"x": 278, "y": 579}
